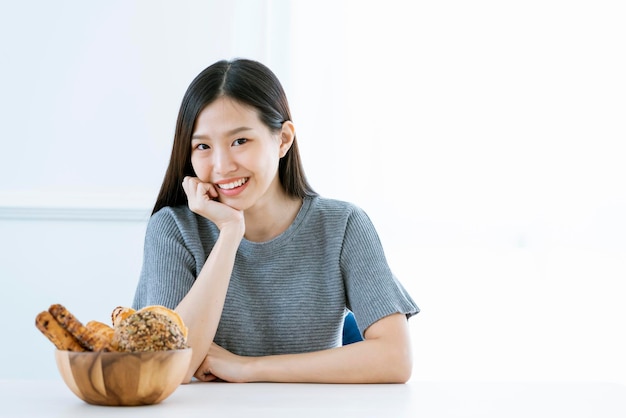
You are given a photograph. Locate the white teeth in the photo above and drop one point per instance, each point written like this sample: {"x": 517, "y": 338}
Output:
{"x": 233, "y": 184}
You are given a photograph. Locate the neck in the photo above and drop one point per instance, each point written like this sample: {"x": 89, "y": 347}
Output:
{"x": 268, "y": 221}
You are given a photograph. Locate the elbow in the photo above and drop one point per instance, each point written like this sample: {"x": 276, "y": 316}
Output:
{"x": 393, "y": 349}
{"x": 404, "y": 375}
{"x": 401, "y": 357}
{"x": 398, "y": 366}
{"x": 188, "y": 377}
{"x": 402, "y": 371}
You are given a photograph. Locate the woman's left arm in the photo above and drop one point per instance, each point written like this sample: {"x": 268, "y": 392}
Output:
{"x": 384, "y": 356}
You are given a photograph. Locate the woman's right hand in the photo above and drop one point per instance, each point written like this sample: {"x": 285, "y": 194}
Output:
{"x": 201, "y": 198}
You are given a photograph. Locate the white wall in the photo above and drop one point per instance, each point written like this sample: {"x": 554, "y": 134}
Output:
{"x": 91, "y": 90}
{"x": 89, "y": 96}
{"x": 483, "y": 138}
{"x": 89, "y": 266}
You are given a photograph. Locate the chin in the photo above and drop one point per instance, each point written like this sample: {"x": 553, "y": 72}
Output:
{"x": 235, "y": 204}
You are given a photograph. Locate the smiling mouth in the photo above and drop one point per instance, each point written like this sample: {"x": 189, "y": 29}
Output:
{"x": 233, "y": 184}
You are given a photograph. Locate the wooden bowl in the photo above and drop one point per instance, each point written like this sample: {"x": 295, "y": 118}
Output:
{"x": 121, "y": 378}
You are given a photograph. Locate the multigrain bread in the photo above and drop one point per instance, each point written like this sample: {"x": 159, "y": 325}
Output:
{"x": 149, "y": 330}
{"x": 173, "y": 315}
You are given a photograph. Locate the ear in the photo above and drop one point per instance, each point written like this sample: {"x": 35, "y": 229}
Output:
{"x": 287, "y": 135}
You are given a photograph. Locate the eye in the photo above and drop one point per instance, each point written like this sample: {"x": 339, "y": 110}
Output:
{"x": 239, "y": 141}
{"x": 202, "y": 147}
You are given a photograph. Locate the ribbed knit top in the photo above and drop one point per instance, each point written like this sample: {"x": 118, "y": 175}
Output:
{"x": 286, "y": 295}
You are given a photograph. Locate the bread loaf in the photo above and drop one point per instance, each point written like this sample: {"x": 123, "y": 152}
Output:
{"x": 58, "y": 335}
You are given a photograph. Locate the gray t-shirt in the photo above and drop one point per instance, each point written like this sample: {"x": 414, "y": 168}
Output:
{"x": 286, "y": 295}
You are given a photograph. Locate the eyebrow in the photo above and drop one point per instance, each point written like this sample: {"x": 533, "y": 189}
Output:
{"x": 228, "y": 133}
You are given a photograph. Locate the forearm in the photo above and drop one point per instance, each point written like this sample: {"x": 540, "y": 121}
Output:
{"x": 201, "y": 308}
{"x": 378, "y": 359}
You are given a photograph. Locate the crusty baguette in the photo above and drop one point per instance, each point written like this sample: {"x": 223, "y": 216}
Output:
{"x": 84, "y": 336}
{"x": 58, "y": 335}
{"x": 103, "y": 335}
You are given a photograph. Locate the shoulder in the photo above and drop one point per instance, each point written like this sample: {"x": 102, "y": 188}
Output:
{"x": 177, "y": 220}
{"x": 171, "y": 216}
{"x": 339, "y": 211}
{"x": 337, "y": 216}
{"x": 333, "y": 207}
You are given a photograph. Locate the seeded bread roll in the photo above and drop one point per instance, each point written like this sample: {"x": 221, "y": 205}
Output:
{"x": 173, "y": 315}
{"x": 148, "y": 330}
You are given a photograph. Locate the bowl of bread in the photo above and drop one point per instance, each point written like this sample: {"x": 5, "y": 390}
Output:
{"x": 140, "y": 359}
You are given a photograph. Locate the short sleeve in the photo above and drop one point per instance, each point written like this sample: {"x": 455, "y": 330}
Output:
{"x": 168, "y": 269}
{"x": 373, "y": 292}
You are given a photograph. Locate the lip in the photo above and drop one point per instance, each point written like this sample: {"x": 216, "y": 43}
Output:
{"x": 232, "y": 192}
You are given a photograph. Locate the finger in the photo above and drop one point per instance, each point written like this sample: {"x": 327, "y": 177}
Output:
{"x": 187, "y": 184}
{"x": 213, "y": 194}
{"x": 205, "y": 377}
{"x": 203, "y": 372}
{"x": 201, "y": 188}
{"x": 207, "y": 190}
{"x": 210, "y": 378}
{"x": 195, "y": 189}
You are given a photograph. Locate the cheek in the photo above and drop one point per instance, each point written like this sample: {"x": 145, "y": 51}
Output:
{"x": 200, "y": 168}
{"x": 269, "y": 162}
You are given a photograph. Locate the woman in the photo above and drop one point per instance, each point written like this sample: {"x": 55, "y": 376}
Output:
{"x": 262, "y": 269}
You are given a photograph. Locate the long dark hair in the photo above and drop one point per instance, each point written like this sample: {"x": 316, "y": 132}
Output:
{"x": 250, "y": 83}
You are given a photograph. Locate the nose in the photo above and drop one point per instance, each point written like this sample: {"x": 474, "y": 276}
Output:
{"x": 223, "y": 161}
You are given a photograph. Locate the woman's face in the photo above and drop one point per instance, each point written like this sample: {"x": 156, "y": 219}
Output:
{"x": 232, "y": 149}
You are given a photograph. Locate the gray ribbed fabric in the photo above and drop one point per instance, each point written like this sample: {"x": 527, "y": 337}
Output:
{"x": 287, "y": 295}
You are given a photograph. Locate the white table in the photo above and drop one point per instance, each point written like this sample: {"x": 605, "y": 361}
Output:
{"x": 33, "y": 398}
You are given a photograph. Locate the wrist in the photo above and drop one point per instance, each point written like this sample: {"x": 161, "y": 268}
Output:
{"x": 234, "y": 230}
{"x": 253, "y": 369}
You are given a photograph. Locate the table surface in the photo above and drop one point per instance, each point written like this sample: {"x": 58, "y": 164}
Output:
{"x": 51, "y": 398}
